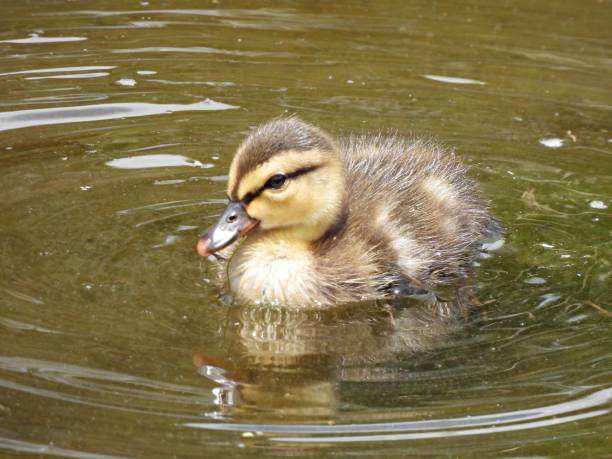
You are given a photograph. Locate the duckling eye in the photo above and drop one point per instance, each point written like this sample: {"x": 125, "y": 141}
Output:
{"x": 276, "y": 181}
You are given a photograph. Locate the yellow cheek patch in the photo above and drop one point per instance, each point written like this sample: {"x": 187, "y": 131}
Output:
{"x": 259, "y": 208}
{"x": 289, "y": 208}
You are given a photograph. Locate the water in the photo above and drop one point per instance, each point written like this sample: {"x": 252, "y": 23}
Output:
{"x": 118, "y": 121}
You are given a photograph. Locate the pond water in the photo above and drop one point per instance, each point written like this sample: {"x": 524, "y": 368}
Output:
{"x": 118, "y": 121}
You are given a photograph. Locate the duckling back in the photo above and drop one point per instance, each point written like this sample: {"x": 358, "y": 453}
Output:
{"x": 413, "y": 218}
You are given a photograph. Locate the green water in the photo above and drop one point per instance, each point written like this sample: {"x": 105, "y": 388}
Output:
{"x": 113, "y": 342}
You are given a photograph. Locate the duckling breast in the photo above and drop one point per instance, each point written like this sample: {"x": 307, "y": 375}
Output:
{"x": 273, "y": 271}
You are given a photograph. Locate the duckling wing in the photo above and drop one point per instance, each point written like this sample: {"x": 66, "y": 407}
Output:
{"x": 413, "y": 203}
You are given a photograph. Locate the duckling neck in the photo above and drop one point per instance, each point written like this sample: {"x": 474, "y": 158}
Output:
{"x": 338, "y": 225}
{"x": 331, "y": 212}
{"x": 306, "y": 236}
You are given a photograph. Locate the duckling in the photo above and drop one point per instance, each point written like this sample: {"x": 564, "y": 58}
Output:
{"x": 326, "y": 221}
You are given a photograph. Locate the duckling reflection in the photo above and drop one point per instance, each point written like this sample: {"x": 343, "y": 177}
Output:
{"x": 289, "y": 362}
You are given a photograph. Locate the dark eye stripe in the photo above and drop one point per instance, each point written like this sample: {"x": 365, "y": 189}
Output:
{"x": 250, "y": 196}
{"x": 302, "y": 171}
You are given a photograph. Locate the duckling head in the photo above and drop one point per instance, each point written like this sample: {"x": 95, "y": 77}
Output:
{"x": 286, "y": 179}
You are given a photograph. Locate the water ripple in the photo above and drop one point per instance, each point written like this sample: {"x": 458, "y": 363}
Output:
{"x": 201, "y": 50}
{"x": 49, "y": 449}
{"x": 453, "y": 80}
{"x": 70, "y": 76}
{"x": 556, "y": 411}
{"x": 100, "y": 383}
{"x": 443, "y": 434}
{"x": 83, "y": 68}
{"x": 37, "y": 40}
{"x": 45, "y": 116}
{"x": 154, "y": 161}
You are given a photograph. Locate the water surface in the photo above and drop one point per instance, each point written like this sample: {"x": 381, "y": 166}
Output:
{"x": 118, "y": 122}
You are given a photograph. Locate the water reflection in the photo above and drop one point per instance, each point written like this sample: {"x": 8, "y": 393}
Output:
{"x": 154, "y": 161}
{"x": 61, "y": 69}
{"x": 288, "y": 365}
{"x": 290, "y": 361}
{"x": 44, "y": 116}
{"x": 453, "y": 80}
{"x": 35, "y": 39}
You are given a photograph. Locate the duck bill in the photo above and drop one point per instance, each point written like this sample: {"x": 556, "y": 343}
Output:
{"x": 233, "y": 224}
